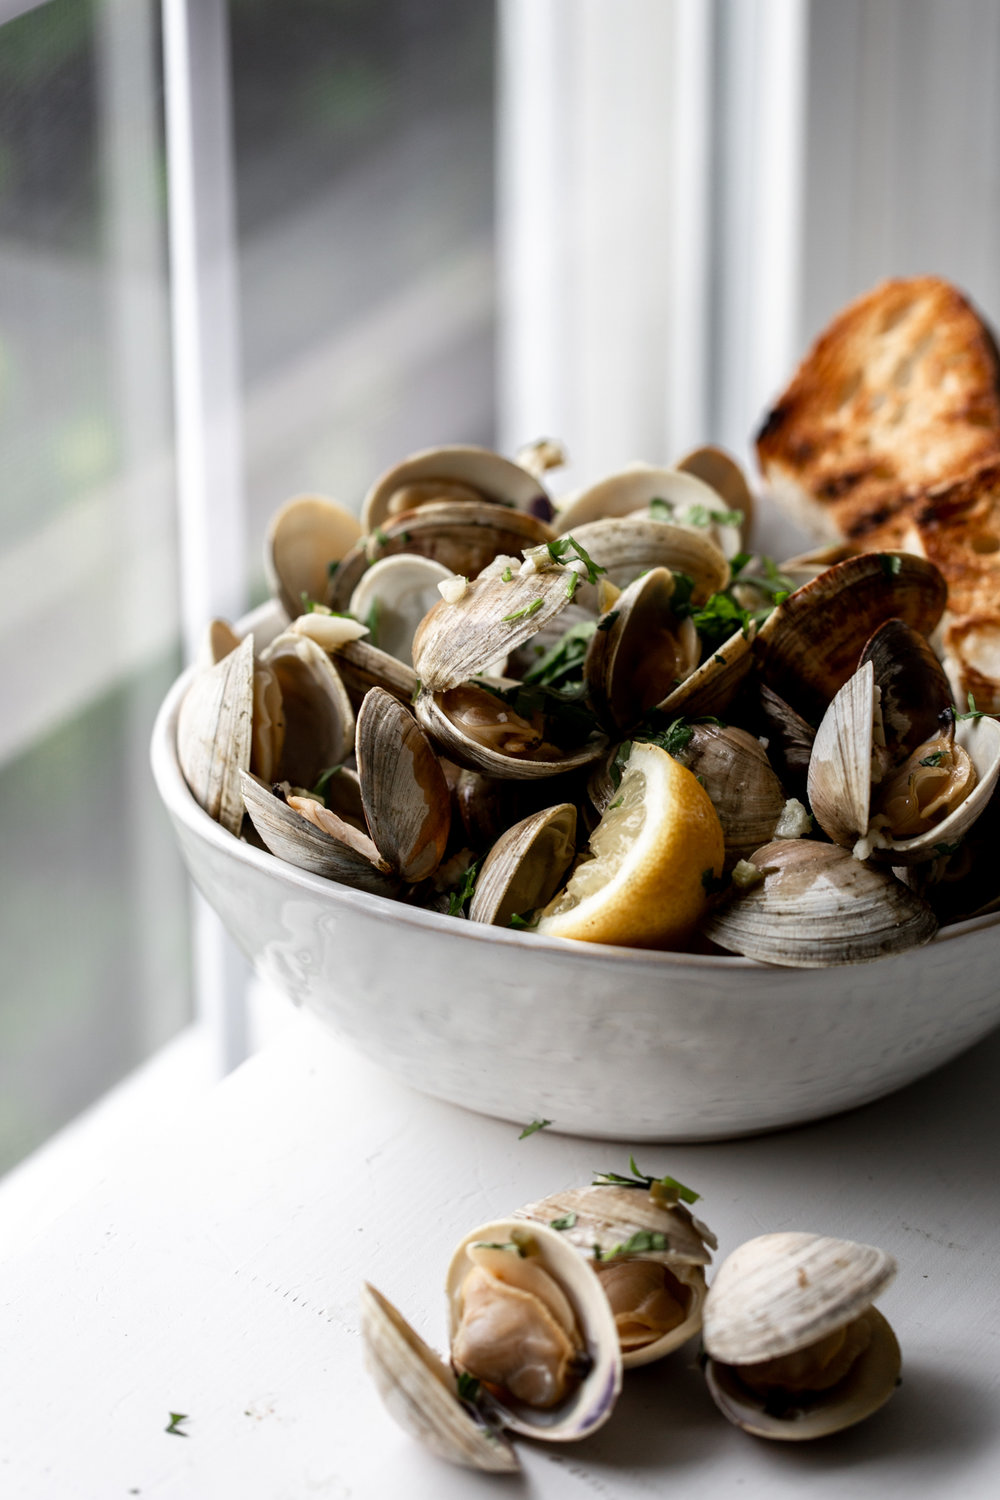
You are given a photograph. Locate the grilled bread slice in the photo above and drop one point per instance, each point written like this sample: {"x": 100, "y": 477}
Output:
{"x": 901, "y": 391}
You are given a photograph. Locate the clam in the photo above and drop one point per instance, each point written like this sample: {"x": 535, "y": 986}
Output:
{"x": 525, "y": 867}
{"x": 422, "y": 1393}
{"x": 734, "y": 770}
{"x": 393, "y": 596}
{"x": 811, "y": 643}
{"x": 318, "y": 730}
{"x": 532, "y": 1343}
{"x": 482, "y": 730}
{"x": 362, "y": 666}
{"x": 648, "y": 1252}
{"x": 892, "y": 775}
{"x": 214, "y": 732}
{"x": 463, "y": 535}
{"x": 720, "y": 470}
{"x": 306, "y": 541}
{"x": 529, "y": 1321}
{"x": 406, "y": 798}
{"x": 301, "y": 830}
{"x": 627, "y": 546}
{"x": 457, "y": 473}
{"x": 640, "y": 652}
{"x": 668, "y": 495}
{"x": 817, "y": 905}
{"x": 795, "y": 1348}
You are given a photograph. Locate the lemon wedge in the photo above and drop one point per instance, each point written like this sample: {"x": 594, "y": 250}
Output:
{"x": 653, "y": 854}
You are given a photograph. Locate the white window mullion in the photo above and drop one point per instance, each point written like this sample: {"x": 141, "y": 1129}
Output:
{"x": 207, "y": 403}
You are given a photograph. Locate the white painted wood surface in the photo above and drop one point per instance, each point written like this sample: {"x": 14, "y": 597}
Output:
{"x": 216, "y": 1275}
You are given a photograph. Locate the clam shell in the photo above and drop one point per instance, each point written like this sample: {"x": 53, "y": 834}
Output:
{"x": 639, "y": 652}
{"x": 867, "y": 1386}
{"x": 738, "y": 777}
{"x": 840, "y": 767}
{"x": 606, "y": 1217}
{"x": 526, "y": 865}
{"x": 305, "y": 536}
{"x": 628, "y": 546}
{"x": 590, "y": 1405}
{"x": 400, "y": 590}
{"x": 780, "y": 1293}
{"x": 319, "y": 720}
{"x": 350, "y": 858}
{"x": 457, "y": 641}
{"x": 720, "y": 470}
{"x": 811, "y": 643}
{"x": 631, "y": 491}
{"x": 714, "y": 685}
{"x": 406, "y": 798}
{"x": 420, "y": 1392}
{"x": 818, "y": 905}
{"x": 214, "y": 729}
{"x": 489, "y": 474}
{"x": 363, "y": 666}
{"x": 438, "y": 714}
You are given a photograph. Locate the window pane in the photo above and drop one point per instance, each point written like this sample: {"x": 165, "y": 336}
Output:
{"x": 364, "y": 153}
{"x": 92, "y": 916}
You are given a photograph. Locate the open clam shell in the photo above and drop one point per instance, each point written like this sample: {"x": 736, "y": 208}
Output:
{"x": 337, "y": 850}
{"x": 517, "y": 1252}
{"x": 795, "y": 1348}
{"x": 525, "y": 867}
{"x": 494, "y": 616}
{"x": 640, "y": 652}
{"x": 406, "y": 798}
{"x": 393, "y": 596}
{"x": 680, "y": 498}
{"x": 482, "y": 733}
{"x": 656, "y": 1295}
{"x": 717, "y": 468}
{"x": 214, "y": 732}
{"x": 811, "y": 643}
{"x": 627, "y": 546}
{"x": 363, "y": 666}
{"x": 454, "y": 471}
{"x": 306, "y": 539}
{"x": 818, "y": 905}
{"x": 420, "y": 1391}
{"x": 744, "y": 789}
{"x": 319, "y": 720}
{"x": 840, "y": 773}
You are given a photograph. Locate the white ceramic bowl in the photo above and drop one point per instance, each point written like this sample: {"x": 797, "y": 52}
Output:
{"x": 602, "y": 1041}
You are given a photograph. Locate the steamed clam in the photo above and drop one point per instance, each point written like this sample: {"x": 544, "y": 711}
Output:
{"x": 795, "y": 1348}
{"x": 532, "y": 1343}
{"x": 647, "y": 1250}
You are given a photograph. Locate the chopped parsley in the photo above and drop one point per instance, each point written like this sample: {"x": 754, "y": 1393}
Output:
{"x": 416, "y": 692}
{"x": 567, "y": 720}
{"x": 380, "y": 536}
{"x": 669, "y": 1185}
{"x": 506, "y": 575}
{"x": 891, "y": 564}
{"x": 506, "y": 1245}
{"x": 566, "y": 1222}
{"x": 974, "y": 712}
{"x": 371, "y": 620}
{"x": 933, "y": 760}
{"x": 526, "y": 612}
{"x": 523, "y": 923}
{"x": 174, "y": 1425}
{"x": 572, "y": 583}
{"x": 562, "y": 665}
{"x": 308, "y": 605}
{"x": 606, "y": 621}
{"x": 564, "y": 545}
{"x": 331, "y": 568}
{"x": 468, "y": 1388}
{"x": 533, "y": 1127}
{"x": 461, "y": 894}
{"x": 637, "y": 1244}
{"x": 945, "y": 849}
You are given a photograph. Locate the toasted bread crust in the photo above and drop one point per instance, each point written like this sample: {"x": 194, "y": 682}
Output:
{"x": 958, "y": 526}
{"x": 901, "y": 391}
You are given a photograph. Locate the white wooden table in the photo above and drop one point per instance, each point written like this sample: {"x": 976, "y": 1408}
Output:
{"x": 217, "y": 1277}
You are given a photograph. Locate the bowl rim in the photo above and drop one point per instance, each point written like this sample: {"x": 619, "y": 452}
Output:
{"x": 181, "y": 805}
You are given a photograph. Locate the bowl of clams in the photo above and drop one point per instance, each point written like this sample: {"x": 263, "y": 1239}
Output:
{"x": 582, "y": 810}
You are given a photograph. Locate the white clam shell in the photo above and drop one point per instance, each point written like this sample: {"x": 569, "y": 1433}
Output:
{"x": 420, "y": 1391}
{"x": 779, "y": 1294}
{"x": 305, "y": 536}
{"x": 606, "y": 1217}
{"x": 526, "y": 866}
{"x": 214, "y": 728}
{"x": 401, "y": 589}
{"x": 590, "y": 1405}
{"x": 495, "y": 478}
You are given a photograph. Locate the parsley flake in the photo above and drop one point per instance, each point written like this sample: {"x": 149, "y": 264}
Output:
{"x": 468, "y": 1388}
{"x": 506, "y": 575}
{"x": 331, "y": 568}
{"x": 380, "y": 536}
{"x": 506, "y": 1245}
{"x": 891, "y": 564}
{"x": 669, "y": 1186}
{"x": 566, "y": 1222}
{"x": 639, "y": 1243}
{"x": 533, "y": 1127}
{"x": 174, "y": 1425}
{"x": 462, "y": 893}
{"x": 974, "y": 712}
{"x": 933, "y": 760}
{"x": 945, "y": 849}
{"x": 526, "y": 612}
{"x": 319, "y": 790}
